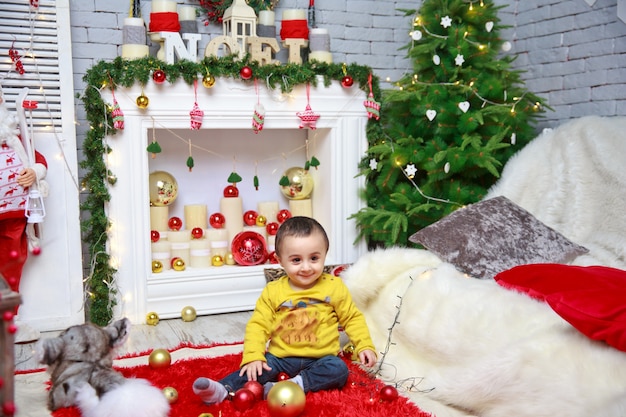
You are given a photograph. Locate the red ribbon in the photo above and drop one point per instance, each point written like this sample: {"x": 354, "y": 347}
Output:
{"x": 294, "y": 29}
{"x": 164, "y": 22}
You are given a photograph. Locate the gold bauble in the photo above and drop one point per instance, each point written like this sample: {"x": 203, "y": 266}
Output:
{"x": 261, "y": 220}
{"x": 349, "y": 351}
{"x": 217, "y": 260}
{"x": 188, "y": 313}
{"x": 163, "y": 188}
{"x": 157, "y": 266}
{"x": 230, "y": 259}
{"x": 178, "y": 264}
{"x": 300, "y": 184}
{"x": 205, "y": 415}
{"x": 286, "y": 399}
{"x": 160, "y": 358}
{"x": 142, "y": 101}
{"x": 152, "y": 318}
{"x": 170, "y": 394}
{"x": 208, "y": 81}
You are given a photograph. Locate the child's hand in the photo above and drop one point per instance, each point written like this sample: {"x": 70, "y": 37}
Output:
{"x": 254, "y": 369}
{"x": 368, "y": 358}
{"x": 27, "y": 177}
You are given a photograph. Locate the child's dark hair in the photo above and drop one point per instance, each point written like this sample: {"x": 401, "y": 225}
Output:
{"x": 299, "y": 226}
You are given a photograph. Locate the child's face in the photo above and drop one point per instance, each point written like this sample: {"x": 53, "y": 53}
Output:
{"x": 303, "y": 259}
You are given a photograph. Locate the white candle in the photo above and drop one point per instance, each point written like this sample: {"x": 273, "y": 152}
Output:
{"x": 301, "y": 207}
{"x": 271, "y": 243}
{"x": 186, "y": 13}
{"x": 159, "y": 216}
{"x": 200, "y": 253}
{"x": 321, "y": 56}
{"x": 232, "y": 210}
{"x": 196, "y": 216}
{"x": 161, "y": 251}
{"x": 135, "y": 51}
{"x": 163, "y": 6}
{"x": 180, "y": 240}
{"x": 294, "y": 14}
{"x": 267, "y": 18}
{"x": 133, "y": 21}
{"x": 269, "y": 209}
{"x": 218, "y": 239}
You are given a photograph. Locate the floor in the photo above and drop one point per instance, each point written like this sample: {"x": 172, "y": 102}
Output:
{"x": 167, "y": 334}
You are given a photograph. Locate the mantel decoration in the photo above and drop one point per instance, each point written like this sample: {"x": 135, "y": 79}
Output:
{"x": 213, "y": 10}
{"x": 100, "y": 286}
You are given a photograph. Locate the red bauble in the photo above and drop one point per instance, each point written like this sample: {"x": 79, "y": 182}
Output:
{"x": 36, "y": 250}
{"x": 271, "y": 228}
{"x": 272, "y": 258}
{"x": 249, "y": 217}
{"x": 256, "y": 388}
{"x": 388, "y": 393}
{"x": 283, "y": 215}
{"x": 231, "y": 191}
{"x": 243, "y": 399}
{"x": 347, "y": 81}
{"x": 197, "y": 232}
{"x": 159, "y": 76}
{"x": 175, "y": 223}
{"x": 8, "y": 408}
{"x": 248, "y": 248}
{"x": 7, "y": 316}
{"x": 282, "y": 376}
{"x": 217, "y": 220}
{"x": 14, "y": 254}
{"x": 155, "y": 235}
{"x": 246, "y": 73}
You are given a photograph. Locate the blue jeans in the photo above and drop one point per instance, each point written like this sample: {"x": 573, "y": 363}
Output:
{"x": 328, "y": 372}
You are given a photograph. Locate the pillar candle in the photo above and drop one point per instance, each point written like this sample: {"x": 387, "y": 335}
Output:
{"x": 267, "y": 18}
{"x": 186, "y": 13}
{"x": 161, "y": 251}
{"x": 232, "y": 209}
{"x": 196, "y": 216}
{"x": 134, "y": 31}
{"x": 269, "y": 209}
{"x": 218, "y": 239}
{"x": 132, "y": 51}
{"x": 163, "y": 6}
{"x": 271, "y": 243}
{"x": 321, "y": 56}
{"x": 301, "y": 207}
{"x": 294, "y": 14}
{"x": 179, "y": 240}
{"x": 159, "y": 216}
{"x": 200, "y": 253}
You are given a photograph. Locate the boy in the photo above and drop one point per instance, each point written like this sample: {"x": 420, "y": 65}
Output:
{"x": 299, "y": 315}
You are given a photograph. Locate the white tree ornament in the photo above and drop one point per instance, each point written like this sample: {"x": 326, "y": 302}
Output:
{"x": 410, "y": 170}
{"x": 446, "y": 22}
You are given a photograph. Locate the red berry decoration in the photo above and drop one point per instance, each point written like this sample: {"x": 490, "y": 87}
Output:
{"x": 243, "y": 399}
{"x": 256, "y": 388}
{"x": 36, "y": 250}
{"x": 347, "y": 81}
{"x": 246, "y": 73}
{"x": 197, "y": 233}
{"x": 231, "y": 191}
{"x": 217, "y": 220}
{"x": 7, "y": 316}
{"x": 283, "y": 376}
{"x": 249, "y": 217}
{"x": 271, "y": 228}
{"x": 155, "y": 235}
{"x": 283, "y": 215}
{"x": 159, "y": 76}
{"x": 8, "y": 408}
{"x": 175, "y": 223}
{"x": 388, "y": 393}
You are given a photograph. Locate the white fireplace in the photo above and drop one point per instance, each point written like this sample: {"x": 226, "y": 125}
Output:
{"x": 226, "y": 142}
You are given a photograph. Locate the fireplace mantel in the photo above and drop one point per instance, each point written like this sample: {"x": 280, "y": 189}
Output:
{"x": 339, "y": 141}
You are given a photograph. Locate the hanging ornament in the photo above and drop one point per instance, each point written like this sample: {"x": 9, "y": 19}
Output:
{"x": 16, "y": 59}
{"x": 446, "y": 22}
{"x": 298, "y": 184}
{"x": 459, "y": 60}
{"x": 436, "y": 59}
{"x": 489, "y": 26}
{"x": 158, "y": 76}
{"x": 308, "y": 117}
{"x": 246, "y": 72}
{"x": 371, "y": 105}
{"x": 314, "y": 162}
{"x": 208, "y": 81}
{"x": 347, "y": 80}
{"x": 34, "y": 3}
{"x": 142, "y": 101}
{"x": 231, "y": 190}
{"x": 190, "y": 158}
{"x": 464, "y": 106}
{"x": 431, "y": 114}
{"x": 416, "y": 35}
{"x": 373, "y": 164}
{"x": 256, "y": 182}
{"x": 163, "y": 188}
{"x": 258, "y": 117}
{"x": 410, "y": 171}
{"x": 196, "y": 112}
{"x": 154, "y": 148}
{"x": 118, "y": 116}
{"x": 446, "y": 167}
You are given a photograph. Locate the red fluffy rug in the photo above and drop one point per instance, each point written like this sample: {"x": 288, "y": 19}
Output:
{"x": 360, "y": 396}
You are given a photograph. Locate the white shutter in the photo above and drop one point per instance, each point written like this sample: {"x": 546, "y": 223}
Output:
{"x": 39, "y": 35}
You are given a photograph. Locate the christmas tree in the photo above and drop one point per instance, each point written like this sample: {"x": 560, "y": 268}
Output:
{"x": 448, "y": 128}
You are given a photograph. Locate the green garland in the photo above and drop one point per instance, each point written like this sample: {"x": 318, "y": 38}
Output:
{"x": 100, "y": 284}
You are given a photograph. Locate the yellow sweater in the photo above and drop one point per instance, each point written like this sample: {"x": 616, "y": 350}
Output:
{"x": 304, "y": 323}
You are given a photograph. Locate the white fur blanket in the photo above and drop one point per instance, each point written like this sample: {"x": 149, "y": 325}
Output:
{"x": 491, "y": 352}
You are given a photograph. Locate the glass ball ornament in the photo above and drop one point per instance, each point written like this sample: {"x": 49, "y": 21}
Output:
{"x": 157, "y": 266}
{"x": 197, "y": 233}
{"x": 217, "y": 220}
{"x": 155, "y": 235}
{"x": 246, "y": 72}
{"x": 347, "y": 81}
{"x": 178, "y": 264}
{"x": 171, "y": 395}
{"x": 272, "y": 258}
{"x": 300, "y": 184}
{"x": 231, "y": 191}
{"x": 272, "y": 228}
{"x": 158, "y": 76}
{"x": 286, "y": 399}
{"x": 175, "y": 223}
{"x": 208, "y": 81}
{"x": 283, "y": 215}
{"x": 249, "y": 217}
{"x": 159, "y": 358}
{"x": 163, "y": 188}
{"x": 248, "y": 248}
{"x": 230, "y": 259}
{"x": 261, "y": 220}
{"x": 152, "y": 318}
{"x": 243, "y": 399}
{"x": 217, "y": 260}
{"x": 388, "y": 393}
{"x": 142, "y": 101}
{"x": 188, "y": 313}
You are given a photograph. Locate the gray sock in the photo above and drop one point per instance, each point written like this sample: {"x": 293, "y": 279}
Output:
{"x": 209, "y": 391}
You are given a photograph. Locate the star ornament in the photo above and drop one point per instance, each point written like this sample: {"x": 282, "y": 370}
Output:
{"x": 308, "y": 118}
{"x": 410, "y": 170}
{"x": 446, "y": 22}
{"x": 373, "y": 164}
{"x": 459, "y": 60}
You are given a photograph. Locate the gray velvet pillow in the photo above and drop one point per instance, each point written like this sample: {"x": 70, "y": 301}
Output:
{"x": 494, "y": 235}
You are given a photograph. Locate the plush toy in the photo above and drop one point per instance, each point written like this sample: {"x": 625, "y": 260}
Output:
{"x": 80, "y": 362}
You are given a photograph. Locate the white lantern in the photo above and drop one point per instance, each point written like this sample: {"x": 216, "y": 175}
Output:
{"x": 239, "y": 23}
{"x": 35, "y": 210}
